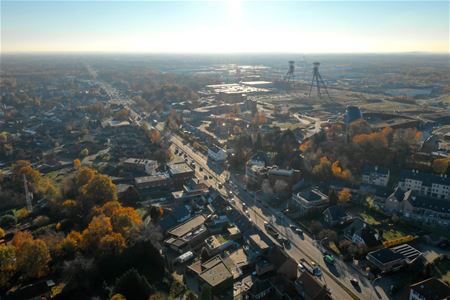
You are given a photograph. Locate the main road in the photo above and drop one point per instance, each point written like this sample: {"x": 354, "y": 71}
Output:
{"x": 337, "y": 276}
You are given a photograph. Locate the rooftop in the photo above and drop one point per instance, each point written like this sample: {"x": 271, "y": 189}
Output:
{"x": 179, "y": 168}
{"x": 216, "y": 274}
{"x": 188, "y": 226}
{"x": 152, "y": 178}
{"x": 432, "y": 289}
{"x": 385, "y": 255}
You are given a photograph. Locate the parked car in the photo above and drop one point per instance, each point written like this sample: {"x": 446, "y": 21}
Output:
{"x": 329, "y": 259}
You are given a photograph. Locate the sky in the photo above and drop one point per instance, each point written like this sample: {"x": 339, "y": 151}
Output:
{"x": 229, "y": 26}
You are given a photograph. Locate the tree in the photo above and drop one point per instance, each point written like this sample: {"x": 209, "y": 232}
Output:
{"x": 77, "y": 164}
{"x": 8, "y": 221}
{"x": 315, "y": 227}
{"x": 118, "y": 297}
{"x": 112, "y": 244}
{"x": 344, "y": 195}
{"x": 130, "y": 196}
{"x": 20, "y": 237}
{"x": 123, "y": 219}
{"x": 33, "y": 258}
{"x": 22, "y": 213}
{"x": 133, "y": 285}
{"x": 331, "y": 235}
{"x": 98, "y": 190}
{"x": 2, "y": 233}
{"x": 7, "y": 263}
{"x": 96, "y": 230}
{"x": 440, "y": 165}
{"x": 333, "y": 197}
{"x": 84, "y": 152}
{"x": 323, "y": 168}
{"x": 340, "y": 172}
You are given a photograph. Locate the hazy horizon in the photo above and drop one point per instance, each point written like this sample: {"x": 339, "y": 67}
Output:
{"x": 225, "y": 27}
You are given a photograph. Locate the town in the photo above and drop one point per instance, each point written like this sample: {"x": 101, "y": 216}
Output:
{"x": 224, "y": 181}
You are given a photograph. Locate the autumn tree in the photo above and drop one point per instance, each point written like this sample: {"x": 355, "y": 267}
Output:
{"x": 7, "y": 263}
{"x": 33, "y": 258}
{"x": 2, "y": 233}
{"x": 99, "y": 227}
{"x": 20, "y": 237}
{"x": 323, "y": 168}
{"x": 112, "y": 244}
{"x": 440, "y": 165}
{"x": 344, "y": 195}
{"x": 340, "y": 172}
{"x": 98, "y": 190}
{"x": 76, "y": 164}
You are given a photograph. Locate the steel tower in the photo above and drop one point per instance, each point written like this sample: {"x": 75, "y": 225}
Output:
{"x": 319, "y": 81}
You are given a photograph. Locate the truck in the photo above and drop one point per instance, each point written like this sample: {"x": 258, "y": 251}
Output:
{"x": 311, "y": 267}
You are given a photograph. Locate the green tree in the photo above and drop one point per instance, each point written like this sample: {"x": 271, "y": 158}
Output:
{"x": 133, "y": 285}
{"x": 98, "y": 190}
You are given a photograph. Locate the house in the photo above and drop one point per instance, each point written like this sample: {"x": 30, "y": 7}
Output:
{"x": 360, "y": 233}
{"x": 180, "y": 173}
{"x": 259, "y": 290}
{"x": 375, "y": 175}
{"x": 216, "y": 153}
{"x": 393, "y": 259}
{"x": 215, "y": 274}
{"x": 158, "y": 180}
{"x": 335, "y": 215}
{"x": 216, "y": 244}
{"x": 429, "y": 289}
{"x": 289, "y": 176}
{"x": 142, "y": 165}
{"x": 310, "y": 288}
{"x": 425, "y": 184}
{"x": 309, "y": 201}
{"x": 419, "y": 208}
{"x": 188, "y": 235}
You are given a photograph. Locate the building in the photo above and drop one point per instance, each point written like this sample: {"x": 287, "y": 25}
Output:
{"x": 309, "y": 288}
{"x": 309, "y": 201}
{"x": 429, "y": 289}
{"x": 216, "y": 244}
{"x": 180, "y": 173}
{"x": 352, "y": 113}
{"x": 361, "y": 234}
{"x": 335, "y": 215}
{"x": 216, "y": 153}
{"x": 393, "y": 259}
{"x": 425, "y": 184}
{"x": 375, "y": 175}
{"x": 429, "y": 210}
{"x": 215, "y": 274}
{"x": 289, "y": 176}
{"x": 143, "y": 165}
{"x": 159, "y": 180}
{"x": 188, "y": 235}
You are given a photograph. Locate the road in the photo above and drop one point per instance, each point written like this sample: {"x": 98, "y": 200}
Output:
{"x": 337, "y": 276}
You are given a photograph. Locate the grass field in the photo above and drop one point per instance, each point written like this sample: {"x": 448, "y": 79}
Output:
{"x": 392, "y": 234}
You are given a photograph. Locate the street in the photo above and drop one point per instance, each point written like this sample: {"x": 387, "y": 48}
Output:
{"x": 337, "y": 276}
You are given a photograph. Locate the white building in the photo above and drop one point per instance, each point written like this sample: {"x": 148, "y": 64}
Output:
{"x": 376, "y": 175}
{"x": 425, "y": 184}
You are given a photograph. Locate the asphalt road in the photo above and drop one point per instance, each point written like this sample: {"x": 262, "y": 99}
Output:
{"x": 337, "y": 276}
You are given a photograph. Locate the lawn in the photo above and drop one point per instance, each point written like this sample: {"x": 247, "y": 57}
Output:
{"x": 369, "y": 219}
{"x": 392, "y": 234}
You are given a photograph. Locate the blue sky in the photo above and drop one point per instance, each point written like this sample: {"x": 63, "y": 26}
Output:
{"x": 225, "y": 26}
